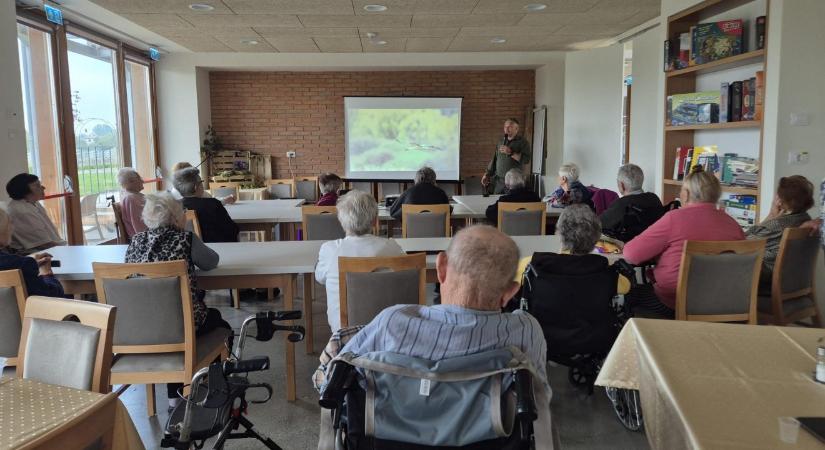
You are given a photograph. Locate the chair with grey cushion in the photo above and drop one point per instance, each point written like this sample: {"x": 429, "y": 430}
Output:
{"x": 307, "y": 189}
{"x": 67, "y": 343}
{"x": 522, "y": 219}
{"x": 12, "y": 304}
{"x": 369, "y": 285}
{"x": 280, "y": 188}
{"x": 719, "y": 280}
{"x": 154, "y": 339}
{"x": 320, "y": 223}
{"x": 472, "y": 186}
{"x": 419, "y": 221}
{"x": 792, "y": 296}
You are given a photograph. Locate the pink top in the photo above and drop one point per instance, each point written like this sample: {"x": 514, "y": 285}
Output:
{"x": 131, "y": 207}
{"x": 665, "y": 240}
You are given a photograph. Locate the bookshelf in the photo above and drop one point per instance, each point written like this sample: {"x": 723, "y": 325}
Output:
{"x": 690, "y": 79}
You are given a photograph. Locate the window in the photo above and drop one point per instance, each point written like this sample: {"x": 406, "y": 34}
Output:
{"x": 40, "y": 117}
{"x": 141, "y": 130}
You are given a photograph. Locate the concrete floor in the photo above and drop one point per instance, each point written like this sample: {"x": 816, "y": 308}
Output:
{"x": 582, "y": 422}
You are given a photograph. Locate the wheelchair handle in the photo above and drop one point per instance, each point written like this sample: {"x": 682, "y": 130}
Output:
{"x": 283, "y": 315}
{"x": 333, "y": 393}
{"x": 247, "y": 365}
{"x": 525, "y": 403}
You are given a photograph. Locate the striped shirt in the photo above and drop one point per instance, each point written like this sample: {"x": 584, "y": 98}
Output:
{"x": 448, "y": 331}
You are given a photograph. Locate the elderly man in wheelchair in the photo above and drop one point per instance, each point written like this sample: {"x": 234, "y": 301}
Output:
{"x": 457, "y": 375}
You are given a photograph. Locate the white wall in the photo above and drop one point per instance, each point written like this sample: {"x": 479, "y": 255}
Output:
{"x": 593, "y": 113}
{"x": 12, "y": 127}
{"x": 550, "y": 93}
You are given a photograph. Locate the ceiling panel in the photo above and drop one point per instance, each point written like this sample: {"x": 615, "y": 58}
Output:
{"x": 471, "y": 20}
{"x": 293, "y": 44}
{"x": 428, "y": 45}
{"x": 152, "y": 21}
{"x": 244, "y": 20}
{"x": 410, "y": 32}
{"x": 290, "y": 32}
{"x": 236, "y": 44}
{"x": 517, "y": 6}
{"x": 203, "y": 44}
{"x": 509, "y": 31}
{"x": 333, "y": 21}
{"x": 339, "y": 45}
{"x": 590, "y": 18}
{"x": 290, "y": 6}
{"x": 161, "y": 6}
{"x": 417, "y": 6}
{"x": 393, "y": 45}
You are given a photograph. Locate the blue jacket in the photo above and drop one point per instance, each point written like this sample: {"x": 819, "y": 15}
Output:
{"x": 35, "y": 284}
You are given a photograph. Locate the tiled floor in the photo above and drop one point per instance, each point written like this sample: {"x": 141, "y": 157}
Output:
{"x": 582, "y": 423}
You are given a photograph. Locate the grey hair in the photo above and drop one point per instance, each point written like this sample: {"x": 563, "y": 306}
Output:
{"x": 514, "y": 178}
{"x": 357, "y": 211}
{"x": 569, "y": 171}
{"x": 329, "y": 182}
{"x": 703, "y": 186}
{"x": 579, "y": 228}
{"x": 631, "y": 176}
{"x": 161, "y": 209}
{"x": 186, "y": 181}
{"x": 425, "y": 175}
{"x": 486, "y": 260}
{"x": 125, "y": 174}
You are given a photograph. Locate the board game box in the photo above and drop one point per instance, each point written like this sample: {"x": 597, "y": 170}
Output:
{"x": 717, "y": 40}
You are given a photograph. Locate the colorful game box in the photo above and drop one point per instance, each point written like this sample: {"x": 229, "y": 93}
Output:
{"x": 712, "y": 41}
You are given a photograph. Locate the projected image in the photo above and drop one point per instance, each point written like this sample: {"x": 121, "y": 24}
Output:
{"x": 390, "y": 140}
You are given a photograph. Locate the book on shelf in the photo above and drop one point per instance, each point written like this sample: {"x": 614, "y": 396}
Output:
{"x": 739, "y": 170}
{"x": 705, "y": 156}
{"x": 689, "y": 109}
{"x": 670, "y": 54}
{"x": 679, "y": 162}
{"x": 760, "y": 31}
{"x": 759, "y": 101}
{"x": 724, "y": 102}
{"x": 742, "y": 208}
{"x": 735, "y": 101}
{"x": 715, "y": 40}
{"x": 747, "y": 106}
{"x": 668, "y": 110}
{"x": 683, "y": 57}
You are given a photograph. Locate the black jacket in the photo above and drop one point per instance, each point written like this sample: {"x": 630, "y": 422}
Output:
{"x": 520, "y": 195}
{"x": 419, "y": 194}
{"x": 628, "y": 216}
{"x": 216, "y": 225}
{"x": 35, "y": 284}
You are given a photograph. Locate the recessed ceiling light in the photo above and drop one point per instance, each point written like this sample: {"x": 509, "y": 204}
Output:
{"x": 249, "y": 41}
{"x": 380, "y": 42}
{"x": 375, "y": 8}
{"x": 535, "y": 7}
{"x": 201, "y": 7}
{"x": 498, "y": 40}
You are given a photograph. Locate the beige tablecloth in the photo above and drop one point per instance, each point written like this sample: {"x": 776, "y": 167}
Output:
{"x": 717, "y": 386}
{"x": 30, "y": 409}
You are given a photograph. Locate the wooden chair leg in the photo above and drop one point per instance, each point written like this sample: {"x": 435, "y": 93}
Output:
{"x": 309, "y": 283}
{"x": 151, "y": 409}
{"x": 236, "y": 298}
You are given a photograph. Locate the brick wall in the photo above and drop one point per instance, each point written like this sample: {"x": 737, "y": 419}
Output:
{"x": 272, "y": 112}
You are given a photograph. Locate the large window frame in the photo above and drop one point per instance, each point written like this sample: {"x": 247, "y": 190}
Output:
{"x": 123, "y": 52}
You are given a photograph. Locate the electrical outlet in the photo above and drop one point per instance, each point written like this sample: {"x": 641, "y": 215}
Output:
{"x": 290, "y": 154}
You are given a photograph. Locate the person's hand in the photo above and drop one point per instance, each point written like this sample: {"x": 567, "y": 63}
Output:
{"x": 44, "y": 263}
{"x": 813, "y": 226}
{"x": 229, "y": 200}
{"x": 776, "y": 208}
{"x": 505, "y": 149}
{"x": 485, "y": 180}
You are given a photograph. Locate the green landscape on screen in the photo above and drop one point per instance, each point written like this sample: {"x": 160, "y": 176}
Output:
{"x": 403, "y": 139}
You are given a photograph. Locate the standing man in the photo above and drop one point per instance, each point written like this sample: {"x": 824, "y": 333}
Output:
{"x": 513, "y": 153}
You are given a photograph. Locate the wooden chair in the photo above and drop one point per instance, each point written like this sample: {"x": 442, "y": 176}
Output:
{"x": 472, "y": 186}
{"x": 522, "y": 219}
{"x": 154, "y": 340}
{"x": 793, "y": 291}
{"x": 12, "y": 305}
{"x": 425, "y": 221}
{"x": 719, "y": 281}
{"x": 122, "y": 235}
{"x": 320, "y": 223}
{"x": 368, "y": 285}
{"x": 192, "y": 222}
{"x": 56, "y": 349}
{"x": 225, "y": 189}
{"x": 307, "y": 189}
{"x": 281, "y": 188}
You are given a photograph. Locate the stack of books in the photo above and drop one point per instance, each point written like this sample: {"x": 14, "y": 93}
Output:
{"x": 742, "y": 208}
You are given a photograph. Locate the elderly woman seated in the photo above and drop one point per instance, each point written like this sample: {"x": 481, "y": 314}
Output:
{"x": 33, "y": 230}
{"x": 216, "y": 225}
{"x": 794, "y": 197}
{"x": 131, "y": 200}
{"x": 166, "y": 240}
{"x": 228, "y": 200}
{"x": 515, "y": 191}
{"x": 36, "y": 269}
{"x": 329, "y": 184}
{"x": 698, "y": 220}
{"x": 357, "y": 211}
{"x": 423, "y": 192}
{"x": 571, "y": 190}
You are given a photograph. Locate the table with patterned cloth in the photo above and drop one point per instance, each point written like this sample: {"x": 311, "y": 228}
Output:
{"x": 32, "y": 413}
{"x": 717, "y": 386}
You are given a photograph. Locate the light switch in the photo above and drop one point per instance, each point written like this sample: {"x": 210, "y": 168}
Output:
{"x": 800, "y": 119}
{"x": 798, "y": 158}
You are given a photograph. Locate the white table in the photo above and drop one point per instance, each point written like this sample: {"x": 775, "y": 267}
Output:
{"x": 262, "y": 215}
{"x": 477, "y": 204}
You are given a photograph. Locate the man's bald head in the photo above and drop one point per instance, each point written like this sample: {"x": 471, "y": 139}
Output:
{"x": 478, "y": 268}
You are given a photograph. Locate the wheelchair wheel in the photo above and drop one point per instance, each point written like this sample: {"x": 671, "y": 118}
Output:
{"x": 577, "y": 377}
{"x": 627, "y": 407}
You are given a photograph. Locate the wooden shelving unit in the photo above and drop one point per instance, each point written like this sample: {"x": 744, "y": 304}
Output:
{"x": 685, "y": 81}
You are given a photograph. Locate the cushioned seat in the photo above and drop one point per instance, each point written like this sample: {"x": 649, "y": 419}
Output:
{"x": 765, "y": 305}
{"x": 61, "y": 353}
{"x": 168, "y": 362}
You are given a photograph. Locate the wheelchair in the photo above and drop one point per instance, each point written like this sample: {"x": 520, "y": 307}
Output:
{"x": 217, "y": 407}
{"x": 374, "y": 399}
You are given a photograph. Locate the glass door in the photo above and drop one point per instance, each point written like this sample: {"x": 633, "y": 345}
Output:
{"x": 141, "y": 129}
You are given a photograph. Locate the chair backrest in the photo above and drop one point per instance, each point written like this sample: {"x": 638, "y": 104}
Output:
{"x": 280, "y": 188}
{"x": 225, "y": 189}
{"x": 472, "y": 186}
{"x": 364, "y": 186}
{"x": 12, "y": 305}
{"x": 370, "y": 284}
{"x": 154, "y": 307}
{"x": 192, "y": 222}
{"x": 122, "y": 236}
{"x": 320, "y": 223}
{"x": 719, "y": 281}
{"x": 385, "y": 189}
{"x": 425, "y": 221}
{"x": 88, "y": 205}
{"x": 522, "y": 219}
{"x": 67, "y": 343}
{"x": 602, "y": 199}
{"x": 794, "y": 272}
{"x": 307, "y": 189}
